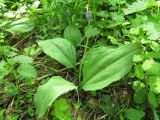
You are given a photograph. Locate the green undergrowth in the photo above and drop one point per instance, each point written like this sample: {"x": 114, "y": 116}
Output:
{"x": 79, "y": 60}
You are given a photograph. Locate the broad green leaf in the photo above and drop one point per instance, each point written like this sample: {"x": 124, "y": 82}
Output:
{"x": 154, "y": 84}
{"x": 107, "y": 65}
{"x": 133, "y": 114}
{"x": 27, "y": 71}
{"x": 73, "y": 34}
{"x": 21, "y": 26}
{"x": 152, "y": 99}
{"x": 49, "y": 92}
{"x": 61, "y": 50}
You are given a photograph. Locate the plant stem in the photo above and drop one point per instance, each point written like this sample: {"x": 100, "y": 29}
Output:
{"x": 84, "y": 54}
{"x": 94, "y": 10}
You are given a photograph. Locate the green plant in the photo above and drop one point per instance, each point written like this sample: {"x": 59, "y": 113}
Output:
{"x": 100, "y": 67}
{"x": 108, "y": 51}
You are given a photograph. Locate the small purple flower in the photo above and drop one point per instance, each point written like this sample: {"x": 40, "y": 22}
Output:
{"x": 88, "y": 15}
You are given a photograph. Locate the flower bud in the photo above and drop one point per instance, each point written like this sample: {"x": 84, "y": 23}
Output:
{"x": 68, "y": 13}
{"x": 88, "y": 15}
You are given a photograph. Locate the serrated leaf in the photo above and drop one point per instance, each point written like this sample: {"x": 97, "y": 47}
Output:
{"x": 73, "y": 34}
{"x": 138, "y": 58}
{"x": 21, "y": 26}
{"x": 152, "y": 27}
{"x": 62, "y": 109}
{"x": 114, "y": 2}
{"x": 139, "y": 96}
{"x": 91, "y": 31}
{"x": 154, "y": 84}
{"x": 107, "y": 66}
{"x": 23, "y": 59}
{"x": 138, "y": 85}
{"x": 152, "y": 55}
{"x": 102, "y": 14}
{"x": 138, "y": 6}
{"x": 61, "y": 50}
{"x": 109, "y": 105}
{"x": 154, "y": 46}
{"x": 27, "y": 71}
{"x": 113, "y": 40}
{"x": 135, "y": 7}
{"x": 49, "y": 92}
{"x": 151, "y": 67}
{"x": 139, "y": 73}
{"x": 133, "y": 114}
{"x": 3, "y": 72}
{"x": 152, "y": 99}
{"x": 11, "y": 90}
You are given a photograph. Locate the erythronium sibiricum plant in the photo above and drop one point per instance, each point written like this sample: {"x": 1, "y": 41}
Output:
{"x": 99, "y": 67}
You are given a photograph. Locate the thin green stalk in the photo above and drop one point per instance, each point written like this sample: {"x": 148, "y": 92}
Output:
{"x": 94, "y": 10}
{"x": 84, "y": 54}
